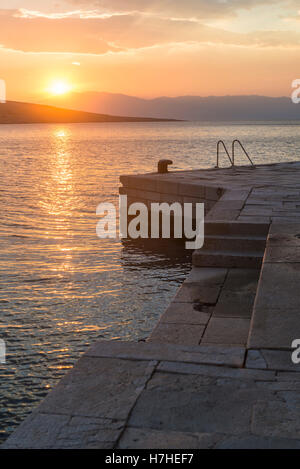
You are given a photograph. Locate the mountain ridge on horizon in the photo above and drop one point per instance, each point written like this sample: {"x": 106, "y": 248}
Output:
{"x": 175, "y": 97}
{"x": 187, "y": 107}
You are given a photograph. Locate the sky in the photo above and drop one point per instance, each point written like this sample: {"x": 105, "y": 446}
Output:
{"x": 149, "y": 48}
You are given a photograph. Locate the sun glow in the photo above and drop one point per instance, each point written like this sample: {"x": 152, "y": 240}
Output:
{"x": 59, "y": 87}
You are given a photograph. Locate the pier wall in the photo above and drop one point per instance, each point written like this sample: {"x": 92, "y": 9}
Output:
{"x": 159, "y": 189}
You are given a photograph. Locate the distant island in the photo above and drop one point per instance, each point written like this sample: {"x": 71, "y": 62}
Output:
{"x": 108, "y": 107}
{"x": 13, "y": 112}
{"x": 191, "y": 108}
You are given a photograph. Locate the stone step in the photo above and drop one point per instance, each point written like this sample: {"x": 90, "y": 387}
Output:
{"x": 276, "y": 319}
{"x": 235, "y": 243}
{"x": 230, "y": 259}
{"x": 236, "y": 228}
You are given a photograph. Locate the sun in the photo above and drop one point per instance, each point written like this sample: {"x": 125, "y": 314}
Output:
{"x": 59, "y": 87}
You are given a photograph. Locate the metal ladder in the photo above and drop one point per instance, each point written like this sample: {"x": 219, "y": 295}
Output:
{"x": 232, "y": 158}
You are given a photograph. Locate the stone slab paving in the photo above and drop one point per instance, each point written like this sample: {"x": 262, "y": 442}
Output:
{"x": 178, "y": 313}
{"x": 91, "y": 405}
{"x": 271, "y": 360}
{"x": 238, "y": 294}
{"x": 229, "y": 356}
{"x": 213, "y": 306}
{"x": 235, "y": 304}
{"x": 140, "y": 402}
{"x": 219, "y": 402}
{"x": 232, "y": 331}
{"x": 185, "y": 334}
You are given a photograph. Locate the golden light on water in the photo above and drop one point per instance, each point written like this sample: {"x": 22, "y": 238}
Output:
{"x": 60, "y": 133}
{"x": 57, "y": 199}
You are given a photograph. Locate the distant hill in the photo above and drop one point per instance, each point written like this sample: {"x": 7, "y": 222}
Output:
{"x": 213, "y": 108}
{"x": 14, "y": 112}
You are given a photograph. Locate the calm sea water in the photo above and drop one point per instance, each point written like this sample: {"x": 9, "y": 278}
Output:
{"x": 61, "y": 287}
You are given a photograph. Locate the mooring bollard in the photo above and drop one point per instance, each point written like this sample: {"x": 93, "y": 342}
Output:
{"x": 162, "y": 166}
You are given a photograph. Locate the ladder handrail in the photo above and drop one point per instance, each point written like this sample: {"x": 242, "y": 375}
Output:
{"x": 232, "y": 158}
{"x": 221, "y": 142}
{"x": 243, "y": 148}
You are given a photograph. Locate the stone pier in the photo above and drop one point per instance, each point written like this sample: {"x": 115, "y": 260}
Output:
{"x": 217, "y": 370}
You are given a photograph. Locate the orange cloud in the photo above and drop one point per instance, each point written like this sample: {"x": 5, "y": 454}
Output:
{"x": 73, "y": 33}
{"x": 153, "y": 51}
{"x": 201, "y": 9}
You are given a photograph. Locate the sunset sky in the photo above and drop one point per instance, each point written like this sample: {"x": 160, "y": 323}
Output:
{"x": 149, "y": 48}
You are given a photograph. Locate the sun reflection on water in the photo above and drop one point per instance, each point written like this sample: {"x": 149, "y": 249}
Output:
{"x": 60, "y": 133}
{"x": 57, "y": 196}
{"x": 58, "y": 200}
